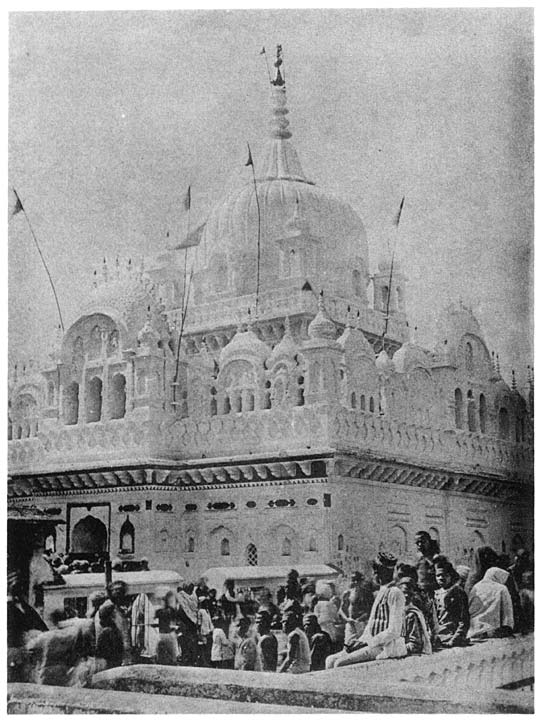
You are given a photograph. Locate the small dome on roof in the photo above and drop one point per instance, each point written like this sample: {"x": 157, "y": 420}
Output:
{"x": 286, "y": 348}
{"x": 409, "y": 356}
{"x": 245, "y": 345}
{"x": 322, "y": 326}
{"x": 354, "y": 342}
{"x": 384, "y": 362}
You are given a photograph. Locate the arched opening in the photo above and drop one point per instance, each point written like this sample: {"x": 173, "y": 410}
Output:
{"x": 356, "y": 282}
{"x": 340, "y": 542}
{"x": 471, "y": 412}
{"x": 399, "y": 298}
{"x": 127, "y": 537}
{"x": 191, "y": 544}
{"x": 384, "y": 296}
{"x": 50, "y": 394}
{"x": 213, "y": 406}
{"x": 227, "y": 405}
{"x": 71, "y": 404}
{"x": 398, "y": 540}
{"x": 118, "y": 397}
{"x": 50, "y": 542}
{"x": 434, "y": 534}
{"x": 224, "y": 547}
{"x": 251, "y": 554}
{"x": 363, "y": 402}
{"x": 371, "y": 405}
{"x": 250, "y": 401}
{"x": 89, "y": 536}
{"x": 482, "y": 413}
{"x": 459, "y": 409}
{"x": 286, "y": 546}
{"x": 469, "y": 357}
{"x": 300, "y": 390}
{"x": 94, "y": 400}
{"x": 267, "y": 396}
{"x": 353, "y": 400}
{"x": 503, "y": 423}
{"x": 312, "y": 545}
{"x": 10, "y": 429}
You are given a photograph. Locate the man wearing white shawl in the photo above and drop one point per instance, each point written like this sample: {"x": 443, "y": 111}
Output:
{"x": 491, "y": 609}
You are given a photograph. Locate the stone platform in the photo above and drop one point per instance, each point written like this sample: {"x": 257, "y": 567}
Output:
{"x": 465, "y": 680}
{"x": 26, "y": 699}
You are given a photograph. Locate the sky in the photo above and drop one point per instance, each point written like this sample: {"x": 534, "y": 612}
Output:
{"x": 113, "y": 114}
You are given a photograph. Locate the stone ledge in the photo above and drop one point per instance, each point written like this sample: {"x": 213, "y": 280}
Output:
{"x": 334, "y": 690}
{"x": 27, "y": 699}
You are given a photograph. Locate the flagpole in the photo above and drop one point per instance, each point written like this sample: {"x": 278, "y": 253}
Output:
{"x": 397, "y": 223}
{"x": 264, "y": 52}
{"x": 251, "y": 162}
{"x": 184, "y": 300}
{"x": 42, "y": 258}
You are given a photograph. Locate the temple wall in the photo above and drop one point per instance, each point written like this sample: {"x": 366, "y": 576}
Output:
{"x": 373, "y": 515}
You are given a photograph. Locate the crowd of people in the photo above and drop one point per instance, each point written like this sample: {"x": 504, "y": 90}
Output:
{"x": 403, "y": 609}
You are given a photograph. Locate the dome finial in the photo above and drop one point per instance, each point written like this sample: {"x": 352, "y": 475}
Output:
{"x": 278, "y": 80}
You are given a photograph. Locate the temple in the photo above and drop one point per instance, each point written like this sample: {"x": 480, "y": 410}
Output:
{"x": 297, "y": 422}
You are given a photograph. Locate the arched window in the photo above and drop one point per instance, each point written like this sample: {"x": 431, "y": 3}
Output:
{"x": 482, "y": 413}
{"x": 250, "y": 401}
{"x": 371, "y": 405}
{"x": 503, "y": 423}
{"x": 356, "y": 282}
{"x": 227, "y": 405}
{"x": 191, "y": 544}
{"x": 118, "y": 397}
{"x": 340, "y": 542}
{"x": 471, "y": 412}
{"x": 312, "y": 546}
{"x": 384, "y": 296}
{"x": 459, "y": 409}
{"x": 71, "y": 404}
{"x": 469, "y": 357}
{"x": 224, "y": 547}
{"x": 286, "y": 546}
{"x": 127, "y": 537}
{"x": 50, "y": 394}
{"x": 10, "y": 429}
{"x": 50, "y": 542}
{"x": 267, "y": 396}
{"x": 213, "y": 406}
{"x": 236, "y": 401}
{"x": 363, "y": 402}
{"x": 434, "y": 534}
{"x": 93, "y": 400}
{"x": 300, "y": 390}
{"x": 353, "y": 400}
{"x": 251, "y": 554}
{"x": 399, "y": 298}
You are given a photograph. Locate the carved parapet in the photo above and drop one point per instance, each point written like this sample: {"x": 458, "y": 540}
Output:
{"x": 66, "y": 446}
{"x": 457, "y": 450}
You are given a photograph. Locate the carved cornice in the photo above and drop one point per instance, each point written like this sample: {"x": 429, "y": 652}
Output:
{"x": 255, "y": 474}
{"x": 380, "y": 471}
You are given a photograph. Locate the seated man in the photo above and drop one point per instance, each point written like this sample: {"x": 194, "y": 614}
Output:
{"x": 490, "y": 605}
{"x": 451, "y": 602}
{"x": 320, "y": 642}
{"x": 414, "y": 630}
{"x": 382, "y": 637}
{"x": 297, "y": 659}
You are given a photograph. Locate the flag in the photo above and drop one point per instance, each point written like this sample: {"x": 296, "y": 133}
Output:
{"x": 188, "y": 198}
{"x": 15, "y": 204}
{"x": 250, "y": 160}
{"x": 192, "y": 239}
{"x": 397, "y": 219}
{"x": 262, "y": 51}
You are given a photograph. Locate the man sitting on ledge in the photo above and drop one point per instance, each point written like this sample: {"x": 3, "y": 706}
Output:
{"x": 382, "y": 637}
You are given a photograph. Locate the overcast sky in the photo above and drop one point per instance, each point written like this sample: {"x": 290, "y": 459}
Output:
{"x": 113, "y": 114}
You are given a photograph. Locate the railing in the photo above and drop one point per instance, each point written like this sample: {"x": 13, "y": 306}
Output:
{"x": 278, "y": 431}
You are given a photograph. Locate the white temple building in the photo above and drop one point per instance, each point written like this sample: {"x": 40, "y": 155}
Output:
{"x": 281, "y": 432}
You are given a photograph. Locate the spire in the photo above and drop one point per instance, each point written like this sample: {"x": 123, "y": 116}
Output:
{"x": 281, "y": 161}
{"x": 322, "y": 326}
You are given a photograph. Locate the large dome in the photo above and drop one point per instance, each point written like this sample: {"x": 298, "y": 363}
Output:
{"x": 304, "y": 231}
